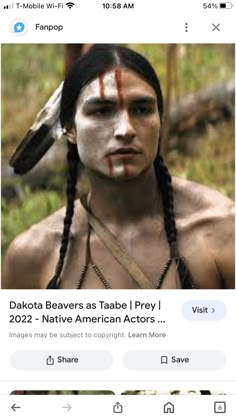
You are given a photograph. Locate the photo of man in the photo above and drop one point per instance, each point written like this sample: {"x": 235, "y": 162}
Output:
{"x": 136, "y": 226}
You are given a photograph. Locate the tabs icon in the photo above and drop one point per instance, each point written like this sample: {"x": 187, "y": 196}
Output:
{"x": 219, "y": 407}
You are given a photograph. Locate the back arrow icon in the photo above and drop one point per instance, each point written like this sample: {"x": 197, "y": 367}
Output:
{"x": 14, "y": 407}
{"x": 68, "y": 407}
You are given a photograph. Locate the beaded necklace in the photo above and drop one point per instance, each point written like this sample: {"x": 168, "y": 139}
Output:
{"x": 89, "y": 262}
{"x": 174, "y": 257}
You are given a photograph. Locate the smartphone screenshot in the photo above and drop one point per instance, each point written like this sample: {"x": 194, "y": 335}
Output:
{"x": 117, "y": 210}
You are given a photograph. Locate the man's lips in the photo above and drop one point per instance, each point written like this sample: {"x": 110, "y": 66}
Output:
{"x": 124, "y": 152}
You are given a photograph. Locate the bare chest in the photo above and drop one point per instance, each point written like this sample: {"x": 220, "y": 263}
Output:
{"x": 148, "y": 246}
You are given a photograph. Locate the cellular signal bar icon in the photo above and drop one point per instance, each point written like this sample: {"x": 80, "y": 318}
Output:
{"x": 70, "y": 4}
{"x": 9, "y": 6}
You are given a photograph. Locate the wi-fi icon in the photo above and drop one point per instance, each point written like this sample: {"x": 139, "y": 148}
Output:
{"x": 70, "y": 4}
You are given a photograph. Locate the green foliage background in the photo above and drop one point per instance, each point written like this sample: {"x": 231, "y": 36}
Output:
{"x": 31, "y": 72}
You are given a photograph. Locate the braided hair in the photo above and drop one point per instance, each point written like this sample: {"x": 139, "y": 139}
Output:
{"x": 73, "y": 161}
{"x": 98, "y": 59}
{"x": 165, "y": 185}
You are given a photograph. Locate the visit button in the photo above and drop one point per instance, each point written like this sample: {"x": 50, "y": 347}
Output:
{"x": 204, "y": 310}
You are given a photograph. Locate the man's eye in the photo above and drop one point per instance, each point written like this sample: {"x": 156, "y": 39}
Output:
{"x": 142, "y": 110}
{"x": 103, "y": 111}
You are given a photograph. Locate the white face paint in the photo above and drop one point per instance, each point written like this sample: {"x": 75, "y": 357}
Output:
{"x": 117, "y": 124}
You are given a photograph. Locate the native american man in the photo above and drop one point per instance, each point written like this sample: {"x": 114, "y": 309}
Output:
{"x": 137, "y": 227}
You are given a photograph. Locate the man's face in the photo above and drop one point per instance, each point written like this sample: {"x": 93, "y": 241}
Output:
{"x": 117, "y": 125}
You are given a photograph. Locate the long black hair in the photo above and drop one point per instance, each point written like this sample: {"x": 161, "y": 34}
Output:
{"x": 100, "y": 59}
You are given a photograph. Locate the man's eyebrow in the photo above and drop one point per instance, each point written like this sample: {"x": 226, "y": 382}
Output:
{"x": 135, "y": 100}
{"x": 99, "y": 101}
{"x": 145, "y": 100}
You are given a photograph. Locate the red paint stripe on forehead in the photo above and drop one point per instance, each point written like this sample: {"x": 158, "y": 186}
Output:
{"x": 101, "y": 86}
{"x": 119, "y": 87}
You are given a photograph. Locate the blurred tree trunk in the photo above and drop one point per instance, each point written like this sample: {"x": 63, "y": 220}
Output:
{"x": 209, "y": 105}
{"x": 73, "y": 52}
{"x": 171, "y": 65}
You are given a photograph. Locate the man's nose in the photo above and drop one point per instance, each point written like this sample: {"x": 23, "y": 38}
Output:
{"x": 124, "y": 129}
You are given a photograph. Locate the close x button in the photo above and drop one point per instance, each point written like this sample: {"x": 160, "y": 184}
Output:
{"x": 216, "y": 27}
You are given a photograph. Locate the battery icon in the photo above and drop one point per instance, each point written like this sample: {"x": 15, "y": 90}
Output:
{"x": 226, "y": 5}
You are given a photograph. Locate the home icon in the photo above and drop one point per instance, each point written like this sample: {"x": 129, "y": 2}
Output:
{"x": 169, "y": 408}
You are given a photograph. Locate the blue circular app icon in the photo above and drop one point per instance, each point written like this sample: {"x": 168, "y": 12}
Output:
{"x": 18, "y": 27}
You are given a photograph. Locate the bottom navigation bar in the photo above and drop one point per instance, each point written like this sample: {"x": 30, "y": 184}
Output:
{"x": 121, "y": 407}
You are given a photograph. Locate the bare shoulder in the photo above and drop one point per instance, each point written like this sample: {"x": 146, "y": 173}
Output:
{"x": 29, "y": 253}
{"x": 207, "y": 217}
{"x": 198, "y": 207}
{"x": 191, "y": 198}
